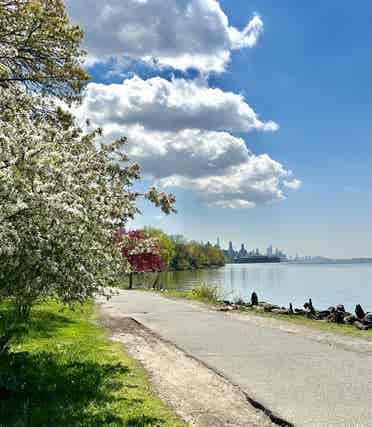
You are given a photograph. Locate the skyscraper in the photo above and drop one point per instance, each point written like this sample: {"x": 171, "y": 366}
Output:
{"x": 243, "y": 252}
{"x": 231, "y": 251}
{"x": 269, "y": 251}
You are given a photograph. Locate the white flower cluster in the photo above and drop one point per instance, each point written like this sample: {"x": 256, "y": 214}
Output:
{"x": 62, "y": 199}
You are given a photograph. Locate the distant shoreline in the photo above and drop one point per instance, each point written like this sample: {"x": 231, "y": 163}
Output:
{"x": 332, "y": 261}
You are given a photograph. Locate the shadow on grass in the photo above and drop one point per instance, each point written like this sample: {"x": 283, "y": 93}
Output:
{"x": 66, "y": 387}
{"x": 43, "y": 324}
{"x": 47, "y": 390}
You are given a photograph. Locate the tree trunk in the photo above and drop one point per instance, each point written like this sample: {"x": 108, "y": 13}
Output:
{"x": 154, "y": 286}
{"x": 130, "y": 281}
{"x": 23, "y": 309}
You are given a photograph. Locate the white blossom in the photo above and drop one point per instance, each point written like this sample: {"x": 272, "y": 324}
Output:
{"x": 62, "y": 200}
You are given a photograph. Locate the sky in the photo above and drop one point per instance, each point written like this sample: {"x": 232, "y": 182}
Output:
{"x": 256, "y": 114}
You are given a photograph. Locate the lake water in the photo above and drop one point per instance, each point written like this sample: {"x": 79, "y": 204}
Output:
{"x": 326, "y": 284}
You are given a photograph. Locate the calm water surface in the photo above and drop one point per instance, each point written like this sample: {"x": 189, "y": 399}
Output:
{"x": 326, "y": 284}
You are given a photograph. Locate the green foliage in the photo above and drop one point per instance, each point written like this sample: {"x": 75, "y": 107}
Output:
{"x": 178, "y": 254}
{"x": 206, "y": 293}
{"x": 66, "y": 373}
{"x": 167, "y": 245}
{"x": 63, "y": 193}
{"x": 197, "y": 255}
{"x": 40, "y": 48}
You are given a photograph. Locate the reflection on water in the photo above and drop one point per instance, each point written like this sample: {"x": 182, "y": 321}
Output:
{"x": 326, "y": 284}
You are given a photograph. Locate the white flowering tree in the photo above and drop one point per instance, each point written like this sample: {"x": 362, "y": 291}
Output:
{"x": 63, "y": 196}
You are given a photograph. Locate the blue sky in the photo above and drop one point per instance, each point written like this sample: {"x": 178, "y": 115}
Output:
{"x": 307, "y": 68}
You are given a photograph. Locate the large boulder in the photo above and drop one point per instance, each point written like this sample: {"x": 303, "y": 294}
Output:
{"x": 270, "y": 307}
{"x": 367, "y": 318}
{"x": 323, "y": 314}
{"x": 309, "y": 306}
{"x": 336, "y": 317}
{"x": 254, "y": 299}
{"x": 350, "y": 319}
{"x": 361, "y": 326}
{"x": 359, "y": 312}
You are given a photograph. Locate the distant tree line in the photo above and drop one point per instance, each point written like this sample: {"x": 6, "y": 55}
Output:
{"x": 179, "y": 254}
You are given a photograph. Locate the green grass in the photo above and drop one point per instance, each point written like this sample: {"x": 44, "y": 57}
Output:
{"x": 65, "y": 372}
{"x": 348, "y": 330}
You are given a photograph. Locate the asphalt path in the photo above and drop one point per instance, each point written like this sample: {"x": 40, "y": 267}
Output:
{"x": 304, "y": 381}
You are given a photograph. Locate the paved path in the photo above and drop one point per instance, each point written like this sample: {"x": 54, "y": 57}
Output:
{"x": 306, "y": 382}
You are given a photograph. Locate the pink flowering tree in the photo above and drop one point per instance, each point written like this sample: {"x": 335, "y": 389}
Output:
{"x": 141, "y": 254}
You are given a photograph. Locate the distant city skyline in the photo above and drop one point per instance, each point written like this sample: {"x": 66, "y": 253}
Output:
{"x": 271, "y": 251}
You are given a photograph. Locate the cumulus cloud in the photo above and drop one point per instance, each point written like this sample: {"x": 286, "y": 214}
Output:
{"x": 295, "y": 184}
{"x": 190, "y": 153}
{"x": 257, "y": 180}
{"x": 174, "y": 129}
{"x": 159, "y": 104}
{"x": 234, "y": 204}
{"x": 181, "y": 34}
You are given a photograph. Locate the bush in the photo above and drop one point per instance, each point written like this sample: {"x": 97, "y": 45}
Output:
{"x": 205, "y": 292}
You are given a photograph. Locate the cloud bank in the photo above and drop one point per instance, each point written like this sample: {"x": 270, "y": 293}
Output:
{"x": 177, "y": 133}
{"x": 181, "y": 34}
{"x": 159, "y": 104}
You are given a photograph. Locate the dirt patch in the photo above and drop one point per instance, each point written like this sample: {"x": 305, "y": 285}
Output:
{"x": 198, "y": 395}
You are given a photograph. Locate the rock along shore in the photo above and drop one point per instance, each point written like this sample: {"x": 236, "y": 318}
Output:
{"x": 334, "y": 314}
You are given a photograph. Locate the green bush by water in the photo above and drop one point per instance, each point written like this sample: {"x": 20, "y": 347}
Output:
{"x": 205, "y": 292}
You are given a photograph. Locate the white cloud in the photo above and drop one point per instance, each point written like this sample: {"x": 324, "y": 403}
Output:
{"x": 159, "y": 104}
{"x": 257, "y": 180}
{"x": 174, "y": 129}
{"x": 178, "y": 33}
{"x": 295, "y": 184}
{"x": 234, "y": 204}
{"x": 189, "y": 152}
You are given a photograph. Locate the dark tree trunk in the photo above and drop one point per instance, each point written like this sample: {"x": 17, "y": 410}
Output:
{"x": 130, "y": 281}
{"x": 154, "y": 286}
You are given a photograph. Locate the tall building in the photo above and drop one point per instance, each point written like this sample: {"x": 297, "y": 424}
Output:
{"x": 218, "y": 242}
{"x": 243, "y": 252}
{"x": 269, "y": 251}
{"x": 231, "y": 251}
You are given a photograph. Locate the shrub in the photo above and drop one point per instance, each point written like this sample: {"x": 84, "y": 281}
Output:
{"x": 205, "y": 292}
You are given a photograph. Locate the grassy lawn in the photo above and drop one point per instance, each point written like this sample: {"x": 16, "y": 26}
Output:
{"x": 347, "y": 330}
{"x": 66, "y": 372}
